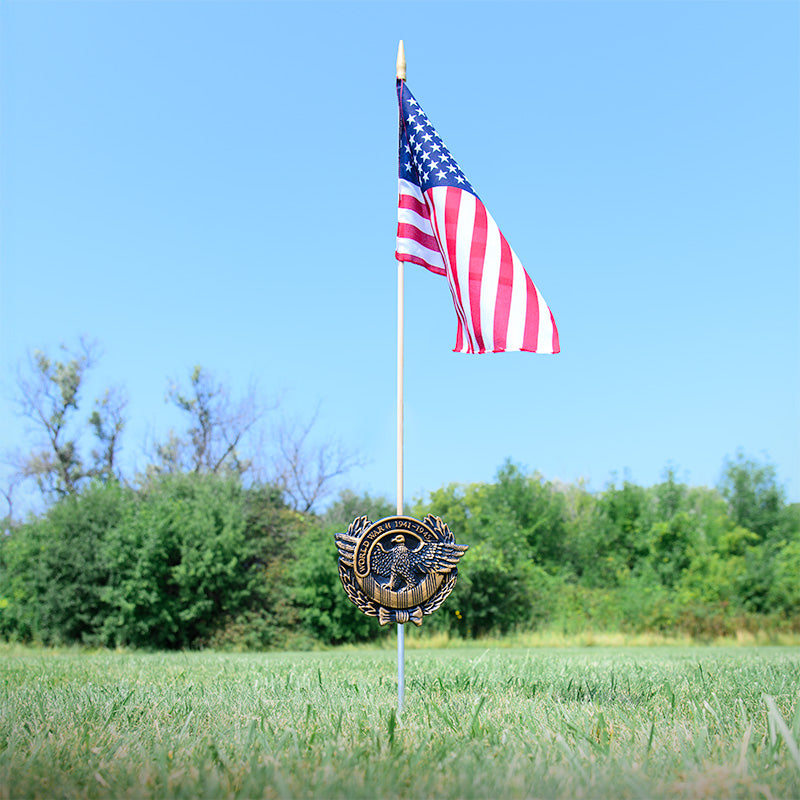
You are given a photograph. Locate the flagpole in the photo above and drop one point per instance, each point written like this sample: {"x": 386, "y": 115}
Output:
{"x": 401, "y": 655}
{"x": 400, "y": 336}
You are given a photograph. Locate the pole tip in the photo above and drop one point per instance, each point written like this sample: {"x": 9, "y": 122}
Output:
{"x": 401, "y": 62}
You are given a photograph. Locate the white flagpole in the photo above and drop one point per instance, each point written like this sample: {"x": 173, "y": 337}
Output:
{"x": 401, "y": 655}
{"x": 400, "y": 314}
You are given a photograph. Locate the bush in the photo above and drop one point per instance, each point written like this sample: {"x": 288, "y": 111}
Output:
{"x": 55, "y": 570}
{"x": 192, "y": 560}
{"x": 496, "y": 595}
{"x": 324, "y": 610}
{"x": 179, "y": 563}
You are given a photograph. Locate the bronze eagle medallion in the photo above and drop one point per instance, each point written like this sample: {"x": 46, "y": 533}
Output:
{"x": 398, "y": 569}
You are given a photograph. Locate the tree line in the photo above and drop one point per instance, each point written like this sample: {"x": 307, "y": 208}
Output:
{"x": 221, "y": 435}
{"x": 204, "y": 550}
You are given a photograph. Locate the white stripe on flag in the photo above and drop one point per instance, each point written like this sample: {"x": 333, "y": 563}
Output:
{"x": 411, "y": 217}
{"x": 491, "y": 276}
{"x": 406, "y": 187}
{"x": 466, "y": 224}
{"x": 408, "y": 244}
{"x": 519, "y": 303}
{"x": 412, "y": 248}
{"x": 545, "y": 341}
{"x": 438, "y": 199}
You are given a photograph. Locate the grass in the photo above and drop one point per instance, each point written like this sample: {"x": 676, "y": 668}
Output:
{"x": 589, "y": 638}
{"x": 481, "y": 722}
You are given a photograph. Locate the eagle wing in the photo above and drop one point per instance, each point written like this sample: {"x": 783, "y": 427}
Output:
{"x": 346, "y": 542}
{"x": 439, "y": 557}
{"x": 346, "y": 546}
{"x": 381, "y": 561}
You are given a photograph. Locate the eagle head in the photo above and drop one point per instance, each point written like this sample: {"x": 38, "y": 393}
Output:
{"x": 399, "y": 539}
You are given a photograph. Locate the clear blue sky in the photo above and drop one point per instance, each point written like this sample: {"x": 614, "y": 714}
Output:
{"x": 215, "y": 183}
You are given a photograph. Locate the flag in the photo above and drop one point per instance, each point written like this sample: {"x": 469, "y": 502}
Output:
{"x": 442, "y": 225}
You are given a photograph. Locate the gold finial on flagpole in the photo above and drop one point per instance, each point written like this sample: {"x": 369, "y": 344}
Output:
{"x": 401, "y": 62}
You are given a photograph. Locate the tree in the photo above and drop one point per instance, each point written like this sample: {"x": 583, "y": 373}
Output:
{"x": 755, "y": 500}
{"x": 532, "y": 507}
{"x": 107, "y": 423}
{"x": 217, "y": 428}
{"x": 671, "y": 543}
{"x": 50, "y": 398}
{"x": 617, "y": 537}
{"x": 7, "y": 490}
{"x": 515, "y": 528}
{"x": 225, "y": 436}
{"x": 671, "y": 496}
{"x": 306, "y": 471}
{"x": 350, "y": 505}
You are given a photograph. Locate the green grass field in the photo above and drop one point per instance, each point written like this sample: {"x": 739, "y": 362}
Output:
{"x": 499, "y": 722}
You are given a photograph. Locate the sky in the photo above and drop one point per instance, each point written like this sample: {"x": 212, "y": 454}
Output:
{"x": 215, "y": 183}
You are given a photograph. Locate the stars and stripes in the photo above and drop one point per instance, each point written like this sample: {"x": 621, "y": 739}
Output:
{"x": 443, "y": 226}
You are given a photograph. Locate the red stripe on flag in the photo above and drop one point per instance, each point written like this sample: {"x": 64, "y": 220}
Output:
{"x": 452, "y": 202}
{"x": 502, "y": 305}
{"x": 420, "y": 262}
{"x": 408, "y": 231}
{"x": 530, "y": 336}
{"x": 452, "y": 206}
{"x": 477, "y": 254}
{"x": 412, "y": 204}
{"x": 459, "y": 337}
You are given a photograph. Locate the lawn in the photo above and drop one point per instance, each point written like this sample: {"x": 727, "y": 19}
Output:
{"x": 479, "y": 722}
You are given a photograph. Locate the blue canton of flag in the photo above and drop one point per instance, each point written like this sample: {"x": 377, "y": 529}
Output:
{"x": 421, "y": 145}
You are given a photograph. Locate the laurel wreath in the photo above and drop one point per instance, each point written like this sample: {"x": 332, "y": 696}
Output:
{"x": 357, "y": 597}
{"x": 366, "y": 604}
{"x": 440, "y": 527}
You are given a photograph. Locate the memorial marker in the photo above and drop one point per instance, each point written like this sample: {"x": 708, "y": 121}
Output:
{"x": 400, "y": 569}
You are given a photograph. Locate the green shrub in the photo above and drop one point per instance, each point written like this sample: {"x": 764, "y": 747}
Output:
{"x": 179, "y": 563}
{"x": 324, "y": 610}
{"x": 56, "y": 570}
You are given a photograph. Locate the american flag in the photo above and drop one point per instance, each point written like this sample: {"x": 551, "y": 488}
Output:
{"x": 443, "y": 226}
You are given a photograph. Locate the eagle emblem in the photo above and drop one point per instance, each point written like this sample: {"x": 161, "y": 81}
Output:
{"x": 398, "y": 569}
